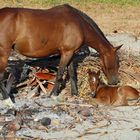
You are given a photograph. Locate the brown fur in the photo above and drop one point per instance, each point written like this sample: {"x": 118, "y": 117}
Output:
{"x": 109, "y": 95}
{"x": 62, "y": 29}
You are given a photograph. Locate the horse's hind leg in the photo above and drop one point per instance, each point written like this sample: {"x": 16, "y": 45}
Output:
{"x": 73, "y": 78}
{"x": 10, "y": 81}
{"x": 65, "y": 59}
{"x": 4, "y": 54}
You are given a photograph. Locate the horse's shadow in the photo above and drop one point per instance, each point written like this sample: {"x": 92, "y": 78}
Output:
{"x": 20, "y": 68}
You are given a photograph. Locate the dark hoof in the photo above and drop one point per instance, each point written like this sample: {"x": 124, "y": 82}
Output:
{"x": 54, "y": 93}
{"x": 74, "y": 94}
{"x": 49, "y": 96}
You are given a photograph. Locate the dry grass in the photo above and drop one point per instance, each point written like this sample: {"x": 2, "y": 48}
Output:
{"x": 128, "y": 73}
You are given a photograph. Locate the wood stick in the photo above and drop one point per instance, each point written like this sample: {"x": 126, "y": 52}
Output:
{"x": 41, "y": 86}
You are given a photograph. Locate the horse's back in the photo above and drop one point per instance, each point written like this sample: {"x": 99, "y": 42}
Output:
{"x": 7, "y": 26}
{"x": 38, "y": 33}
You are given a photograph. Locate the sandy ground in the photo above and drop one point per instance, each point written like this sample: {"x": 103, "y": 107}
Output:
{"x": 112, "y": 18}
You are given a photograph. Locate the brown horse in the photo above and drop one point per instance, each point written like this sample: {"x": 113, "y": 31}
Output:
{"x": 108, "y": 95}
{"x": 62, "y": 29}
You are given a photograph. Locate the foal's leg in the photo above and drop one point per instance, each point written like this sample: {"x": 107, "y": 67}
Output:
{"x": 65, "y": 59}
{"x": 121, "y": 100}
{"x": 73, "y": 78}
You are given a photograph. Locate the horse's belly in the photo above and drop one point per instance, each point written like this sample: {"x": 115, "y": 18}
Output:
{"x": 38, "y": 53}
{"x": 36, "y": 50}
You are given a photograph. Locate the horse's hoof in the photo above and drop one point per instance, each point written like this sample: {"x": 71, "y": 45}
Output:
{"x": 49, "y": 96}
{"x": 74, "y": 94}
{"x": 54, "y": 94}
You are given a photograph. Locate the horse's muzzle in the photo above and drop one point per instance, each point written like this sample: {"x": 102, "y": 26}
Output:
{"x": 113, "y": 81}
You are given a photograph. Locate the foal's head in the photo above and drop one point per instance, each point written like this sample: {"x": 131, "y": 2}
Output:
{"x": 94, "y": 80}
{"x": 110, "y": 65}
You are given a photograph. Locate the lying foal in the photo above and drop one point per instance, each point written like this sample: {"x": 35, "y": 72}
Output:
{"x": 108, "y": 95}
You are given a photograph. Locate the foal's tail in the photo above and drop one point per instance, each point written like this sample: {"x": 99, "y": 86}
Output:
{"x": 88, "y": 20}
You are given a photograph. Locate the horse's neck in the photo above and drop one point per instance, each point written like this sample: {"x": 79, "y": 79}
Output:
{"x": 97, "y": 41}
{"x": 94, "y": 37}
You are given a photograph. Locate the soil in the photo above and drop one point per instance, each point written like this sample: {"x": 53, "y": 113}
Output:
{"x": 114, "y": 18}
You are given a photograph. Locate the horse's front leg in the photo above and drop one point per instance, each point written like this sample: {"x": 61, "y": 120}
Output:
{"x": 64, "y": 61}
{"x": 5, "y": 89}
{"x": 3, "y": 64}
{"x": 73, "y": 78}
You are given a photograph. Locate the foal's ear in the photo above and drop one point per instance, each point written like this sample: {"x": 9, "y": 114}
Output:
{"x": 118, "y": 47}
{"x": 89, "y": 71}
{"x": 98, "y": 73}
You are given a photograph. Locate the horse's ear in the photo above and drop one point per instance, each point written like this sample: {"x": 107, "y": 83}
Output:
{"x": 98, "y": 73}
{"x": 118, "y": 47}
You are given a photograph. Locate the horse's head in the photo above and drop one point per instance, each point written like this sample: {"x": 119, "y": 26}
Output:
{"x": 93, "y": 81}
{"x": 110, "y": 65}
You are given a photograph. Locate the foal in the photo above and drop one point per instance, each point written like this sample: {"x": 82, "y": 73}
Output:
{"x": 110, "y": 95}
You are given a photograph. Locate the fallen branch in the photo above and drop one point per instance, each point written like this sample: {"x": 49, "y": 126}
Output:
{"x": 82, "y": 105}
{"x": 67, "y": 104}
{"x": 88, "y": 131}
{"x": 41, "y": 86}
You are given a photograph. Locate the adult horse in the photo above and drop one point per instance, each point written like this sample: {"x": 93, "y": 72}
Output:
{"x": 62, "y": 29}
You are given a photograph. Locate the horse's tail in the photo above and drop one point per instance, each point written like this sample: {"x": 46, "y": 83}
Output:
{"x": 88, "y": 20}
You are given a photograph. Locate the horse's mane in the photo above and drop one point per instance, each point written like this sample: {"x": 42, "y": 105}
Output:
{"x": 89, "y": 20}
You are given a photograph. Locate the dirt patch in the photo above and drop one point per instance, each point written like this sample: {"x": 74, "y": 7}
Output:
{"x": 113, "y": 18}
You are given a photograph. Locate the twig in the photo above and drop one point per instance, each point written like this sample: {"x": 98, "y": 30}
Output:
{"x": 120, "y": 119}
{"x": 72, "y": 104}
{"x": 67, "y": 104}
{"x": 22, "y": 84}
{"x": 90, "y": 133}
{"x": 41, "y": 104}
{"x": 41, "y": 86}
{"x": 32, "y": 80}
{"x": 27, "y": 136}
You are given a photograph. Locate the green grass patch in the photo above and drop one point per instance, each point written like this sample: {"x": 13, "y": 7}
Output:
{"x": 45, "y": 3}
{"x": 119, "y": 2}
